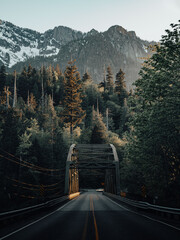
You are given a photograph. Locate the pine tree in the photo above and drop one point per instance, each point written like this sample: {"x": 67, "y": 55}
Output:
{"x": 120, "y": 86}
{"x": 7, "y": 92}
{"x": 23, "y": 84}
{"x": 32, "y": 101}
{"x": 59, "y": 90}
{"x": 44, "y": 77}
{"x": 86, "y": 81}
{"x": 42, "y": 93}
{"x": 25, "y": 144}
{"x": 104, "y": 79}
{"x": 15, "y": 91}
{"x": 29, "y": 71}
{"x": 73, "y": 113}
{"x": 99, "y": 131}
{"x": 153, "y": 144}
{"x": 109, "y": 81}
{"x": 58, "y": 71}
{"x": 2, "y": 78}
{"x": 50, "y": 84}
{"x": 86, "y": 78}
{"x": 50, "y": 107}
{"x": 10, "y": 130}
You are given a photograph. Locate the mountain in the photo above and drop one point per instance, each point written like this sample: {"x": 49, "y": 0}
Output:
{"x": 93, "y": 51}
{"x": 19, "y": 44}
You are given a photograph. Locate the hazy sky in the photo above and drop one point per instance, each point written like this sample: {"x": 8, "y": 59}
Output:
{"x": 148, "y": 18}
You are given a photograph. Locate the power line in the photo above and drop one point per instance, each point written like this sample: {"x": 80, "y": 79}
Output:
{"x": 25, "y": 165}
{"x": 34, "y": 166}
{"x": 34, "y": 185}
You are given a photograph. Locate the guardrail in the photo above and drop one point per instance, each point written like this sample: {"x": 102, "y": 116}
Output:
{"x": 5, "y": 216}
{"x": 164, "y": 211}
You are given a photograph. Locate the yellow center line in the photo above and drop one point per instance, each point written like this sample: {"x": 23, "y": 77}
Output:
{"x": 95, "y": 224}
{"x": 85, "y": 227}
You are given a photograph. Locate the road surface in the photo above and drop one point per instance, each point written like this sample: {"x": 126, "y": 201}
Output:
{"x": 93, "y": 216}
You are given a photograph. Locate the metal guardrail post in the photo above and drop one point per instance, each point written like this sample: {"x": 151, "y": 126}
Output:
{"x": 23, "y": 211}
{"x": 146, "y": 205}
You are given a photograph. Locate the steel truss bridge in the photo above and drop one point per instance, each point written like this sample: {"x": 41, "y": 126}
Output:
{"x": 100, "y": 159}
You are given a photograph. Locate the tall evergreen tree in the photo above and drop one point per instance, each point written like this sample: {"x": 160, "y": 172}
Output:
{"x": 120, "y": 86}
{"x": 8, "y": 93}
{"x": 44, "y": 78}
{"x": 29, "y": 71}
{"x": 154, "y": 139}
{"x": 23, "y": 84}
{"x": 73, "y": 113}
{"x": 58, "y": 71}
{"x": 2, "y": 78}
{"x": 50, "y": 83}
{"x": 86, "y": 79}
{"x": 109, "y": 80}
{"x": 99, "y": 131}
{"x": 32, "y": 102}
{"x": 15, "y": 90}
{"x": 120, "y": 89}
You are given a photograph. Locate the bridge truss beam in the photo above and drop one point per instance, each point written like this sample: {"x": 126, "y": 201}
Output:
{"x": 92, "y": 156}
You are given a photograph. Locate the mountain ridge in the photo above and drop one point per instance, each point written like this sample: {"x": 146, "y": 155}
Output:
{"x": 93, "y": 50}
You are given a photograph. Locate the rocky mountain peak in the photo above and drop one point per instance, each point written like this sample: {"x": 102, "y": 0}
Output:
{"x": 93, "y": 50}
{"x": 92, "y": 32}
{"x": 118, "y": 29}
{"x": 132, "y": 34}
{"x": 65, "y": 34}
{"x": 2, "y": 22}
{"x": 19, "y": 44}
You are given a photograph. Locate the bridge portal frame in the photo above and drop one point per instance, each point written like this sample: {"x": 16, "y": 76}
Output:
{"x": 70, "y": 163}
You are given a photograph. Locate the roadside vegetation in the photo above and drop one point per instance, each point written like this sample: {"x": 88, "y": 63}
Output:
{"x": 43, "y": 111}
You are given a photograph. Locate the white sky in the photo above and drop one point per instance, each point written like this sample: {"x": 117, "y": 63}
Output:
{"x": 148, "y": 18}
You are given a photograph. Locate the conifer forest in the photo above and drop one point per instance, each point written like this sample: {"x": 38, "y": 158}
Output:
{"x": 43, "y": 111}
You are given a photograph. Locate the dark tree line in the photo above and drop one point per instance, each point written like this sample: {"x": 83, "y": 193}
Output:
{"x": 55, "y": 108}
{"x": 152, "y": 154}
{"x": 52, "y": 110}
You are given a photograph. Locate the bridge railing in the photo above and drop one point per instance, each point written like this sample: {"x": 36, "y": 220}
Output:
{"x": 164, "y": 211}
{"x": 5, "y": 216}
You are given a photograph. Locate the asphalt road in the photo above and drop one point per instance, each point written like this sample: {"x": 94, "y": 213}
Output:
{"x": 93, "y": 216}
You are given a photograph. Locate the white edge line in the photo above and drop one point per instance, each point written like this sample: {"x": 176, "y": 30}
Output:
{"x": 155, "y": 220}
{"x": 18, "y": 230}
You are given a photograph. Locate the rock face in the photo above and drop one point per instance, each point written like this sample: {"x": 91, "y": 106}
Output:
{"x": 93, "y": 51}
{"x": 115, "y": 47}
{"x": 65, "y": 35}
{"x": 19, "y": 44}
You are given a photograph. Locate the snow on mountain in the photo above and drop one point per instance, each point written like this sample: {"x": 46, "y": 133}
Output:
{"x": 18, "y": 44}
{"x": 94, "y": 50}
